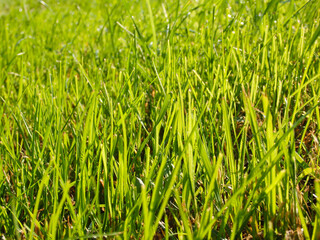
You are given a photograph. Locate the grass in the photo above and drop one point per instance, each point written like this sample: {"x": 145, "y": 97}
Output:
{"x": 159, "y": 119}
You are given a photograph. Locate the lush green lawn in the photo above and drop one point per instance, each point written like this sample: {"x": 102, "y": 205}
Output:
{"x": 174, "y": 119}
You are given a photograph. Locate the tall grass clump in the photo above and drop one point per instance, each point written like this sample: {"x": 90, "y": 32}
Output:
{"x": 159, "y": 119}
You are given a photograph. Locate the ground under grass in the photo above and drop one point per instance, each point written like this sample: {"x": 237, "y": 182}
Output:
{"x": 159, "y": 119}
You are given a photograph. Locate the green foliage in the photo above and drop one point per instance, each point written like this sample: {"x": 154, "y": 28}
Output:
{"x": 159, "y": 119}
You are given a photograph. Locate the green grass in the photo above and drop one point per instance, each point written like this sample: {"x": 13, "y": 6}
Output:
{"x": 159, "y": 119}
